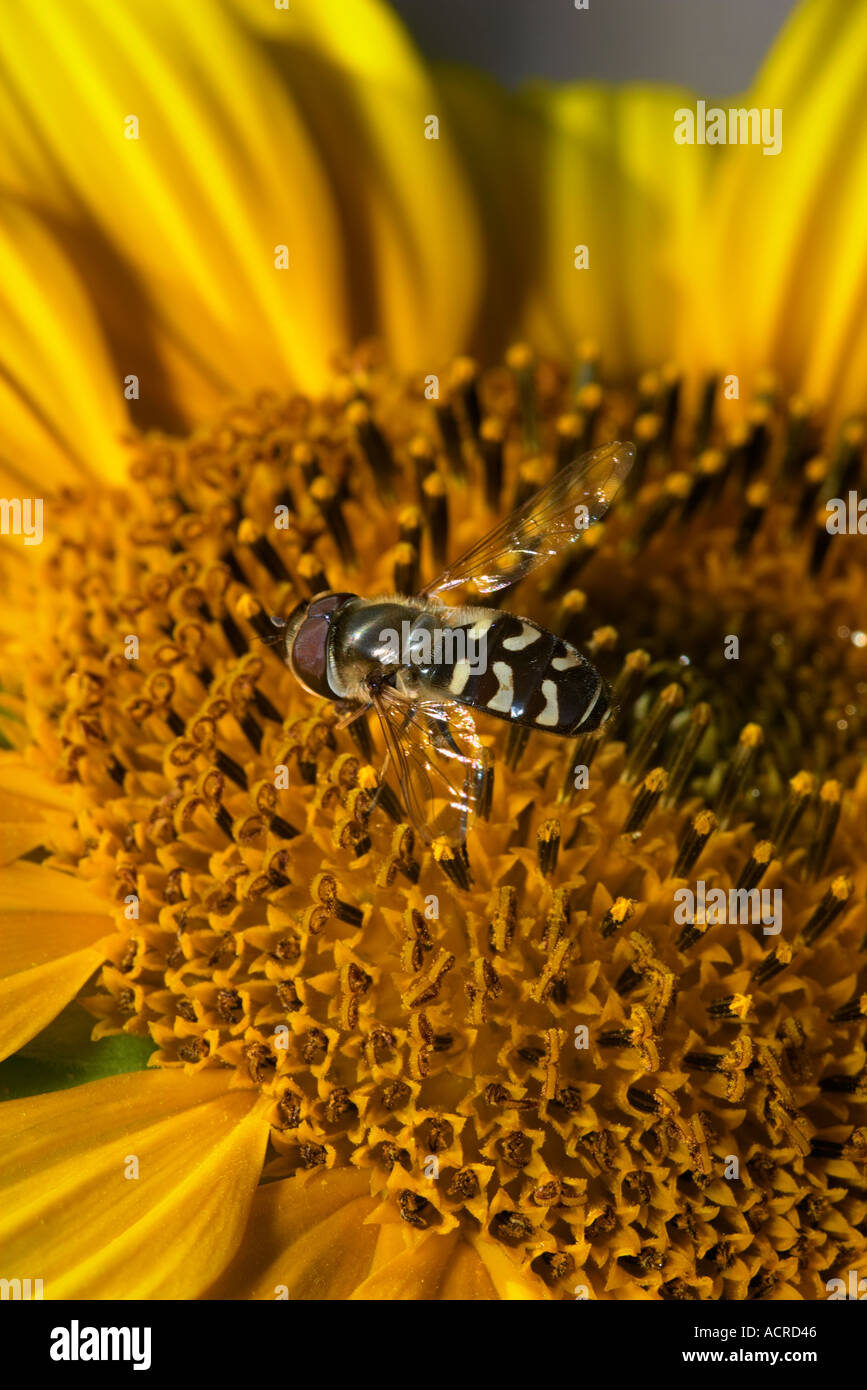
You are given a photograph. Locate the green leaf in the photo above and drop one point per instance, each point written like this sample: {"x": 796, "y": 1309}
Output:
{"x": 62, "y": 1055}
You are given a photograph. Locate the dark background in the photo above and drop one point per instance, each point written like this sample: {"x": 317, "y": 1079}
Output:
{"x": 714, "y": 46}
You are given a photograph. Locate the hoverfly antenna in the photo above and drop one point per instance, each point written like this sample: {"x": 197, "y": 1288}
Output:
{"x": 270, "y": 639}
{"x": 283, "y": 630}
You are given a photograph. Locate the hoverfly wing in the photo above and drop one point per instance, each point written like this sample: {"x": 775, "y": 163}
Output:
{"x": 547, "y": 523}
{"x": 438, "y": 760}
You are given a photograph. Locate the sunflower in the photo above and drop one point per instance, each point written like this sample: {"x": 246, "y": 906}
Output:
{"x": 242, "y": 290}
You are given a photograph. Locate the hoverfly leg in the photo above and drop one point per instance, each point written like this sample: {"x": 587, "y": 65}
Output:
{"x": 382, "y": 787}
{"x": 385, "y": 798}
{"x": 349, "y": 711}
{"x": 443, "y": 735}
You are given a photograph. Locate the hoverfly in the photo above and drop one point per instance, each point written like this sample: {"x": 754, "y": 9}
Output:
{"x": 427, "y": 690}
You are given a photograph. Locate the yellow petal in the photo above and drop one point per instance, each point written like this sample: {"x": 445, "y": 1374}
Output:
{"x": 423, "y": 1272}
{"x": 25, "y": 795}
{"x": 307, "y": 1239}
{"x": 44, "y": 914}
{"x": 499, "y": 151}
{"x": 306, "y": 1236}
{"x": 33, "y": 810}
{"x": 413, "y": 255}
{"x": 31, "y": 999}
{"x": 595, "y": 167}
{"x": 180, "y": 224}
{"x": 50, "y": 929}
{"x": 510, "y": 1282}
{"x": 14, "y": 733}
{"x": 446, "y": 1267}
{"x": 786, "y": 260}
{"x": 71, "y": 1209}
{"x": 19, "y": 839}
{"x": 61, "y": 401}
{"x": 466, "y": 1278}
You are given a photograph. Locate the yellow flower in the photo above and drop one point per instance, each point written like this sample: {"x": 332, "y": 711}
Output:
{"x": 380, "y": 1072}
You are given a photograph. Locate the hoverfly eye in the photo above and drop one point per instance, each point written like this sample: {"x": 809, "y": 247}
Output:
{"x": 300, "y": 607}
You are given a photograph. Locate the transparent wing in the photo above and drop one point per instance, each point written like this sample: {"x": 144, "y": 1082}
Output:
{"x": 548, "y": 523}
{"x": 438, "y": 759}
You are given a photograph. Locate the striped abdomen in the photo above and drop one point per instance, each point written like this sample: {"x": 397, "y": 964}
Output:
{"x": 527, "y": 675}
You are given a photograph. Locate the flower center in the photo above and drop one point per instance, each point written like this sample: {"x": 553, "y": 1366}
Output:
{"x": 526, "y": 1044}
